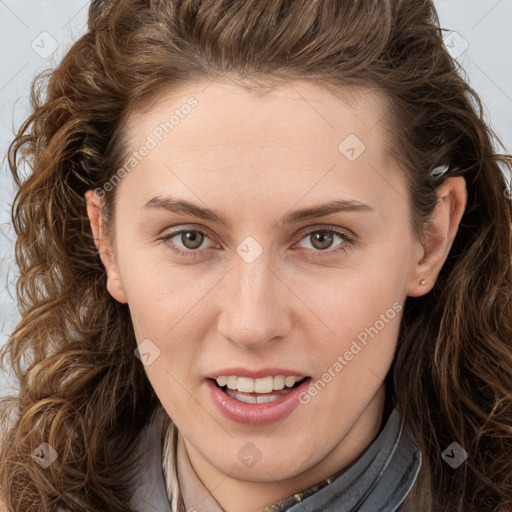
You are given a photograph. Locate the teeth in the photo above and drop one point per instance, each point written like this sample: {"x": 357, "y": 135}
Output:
{"x": 263, "y": 385}
{"x": 245, "y": 385}
{"x": 290, "y": 381}
{"x": 231, "y": 382}
{"x": 251, "y": 399}
{"x": 278, "y": 382}
{"x": 266, "y": 399}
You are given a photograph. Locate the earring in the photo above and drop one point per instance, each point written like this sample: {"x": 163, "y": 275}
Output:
{"x": 423, "y": 282}
{"x": 438, "y": 171}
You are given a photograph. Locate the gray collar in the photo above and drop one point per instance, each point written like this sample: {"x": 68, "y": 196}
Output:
{"x": 378, "y": 481}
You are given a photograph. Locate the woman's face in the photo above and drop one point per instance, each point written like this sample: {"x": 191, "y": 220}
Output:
{"x": 295, "y": 259}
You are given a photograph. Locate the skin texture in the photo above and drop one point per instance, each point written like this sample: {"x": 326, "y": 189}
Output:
{"x": 255, "y": 158}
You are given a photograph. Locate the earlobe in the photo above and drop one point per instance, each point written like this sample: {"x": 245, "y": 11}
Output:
{"x": 94, "y": 212}
{"x": 440, "y": 232}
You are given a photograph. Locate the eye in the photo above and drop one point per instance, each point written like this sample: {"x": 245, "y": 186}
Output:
{"x": 321, "y": 241}
{"x": 190, "y": 240}
{"x": 187, "y": 242}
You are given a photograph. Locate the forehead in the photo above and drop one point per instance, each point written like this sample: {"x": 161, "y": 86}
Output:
{"x": 298, "y": 112}
{"x": 222, "y": 134}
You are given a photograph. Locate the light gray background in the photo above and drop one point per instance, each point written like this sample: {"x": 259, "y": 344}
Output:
{"x": 35, "y": 34}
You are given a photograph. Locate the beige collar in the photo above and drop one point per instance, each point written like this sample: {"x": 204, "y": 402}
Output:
{"x": 194, "y": 494}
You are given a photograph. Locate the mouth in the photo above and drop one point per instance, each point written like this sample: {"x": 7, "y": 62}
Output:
{"x": 256, "y": 401}
{"x": 258, "y": 391}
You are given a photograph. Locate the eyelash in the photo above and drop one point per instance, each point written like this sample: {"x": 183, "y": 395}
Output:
{"x": 346, "y": 239}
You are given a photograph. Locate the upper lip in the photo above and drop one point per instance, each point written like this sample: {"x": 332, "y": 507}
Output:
{"x": 254, "y": 374}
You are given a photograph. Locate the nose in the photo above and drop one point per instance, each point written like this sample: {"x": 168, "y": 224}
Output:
{"x": 254, "y": 304}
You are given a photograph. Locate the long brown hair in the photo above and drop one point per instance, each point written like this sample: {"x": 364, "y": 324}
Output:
{"x": 80, "y": 387}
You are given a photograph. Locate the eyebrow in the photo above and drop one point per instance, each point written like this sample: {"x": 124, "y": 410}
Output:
{"x": 173, "y": 205}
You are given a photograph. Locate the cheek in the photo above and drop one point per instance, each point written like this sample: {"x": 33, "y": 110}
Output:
{"x": 343, "y": 302}
{"x": 360, "y": 326}
{"x": 158, "y": 290}
{"x": 354, "y": 331}
{"x": 164, "y": 321}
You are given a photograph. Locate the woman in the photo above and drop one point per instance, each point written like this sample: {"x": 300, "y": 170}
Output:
{"x": 265, "y": 264}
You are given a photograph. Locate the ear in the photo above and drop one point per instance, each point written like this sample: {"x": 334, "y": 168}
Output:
{"x": 94, "y": 212}
{"x": 440, "y": 232}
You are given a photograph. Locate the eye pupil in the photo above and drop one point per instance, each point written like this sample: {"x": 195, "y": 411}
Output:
{"x": 192, "y": 239}
{"x": 324, "y": 237}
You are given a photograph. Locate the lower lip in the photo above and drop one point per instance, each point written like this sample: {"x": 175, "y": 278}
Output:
{"x": 256, "y": 414}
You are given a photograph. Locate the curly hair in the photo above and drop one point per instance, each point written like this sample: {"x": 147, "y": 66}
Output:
{"x": 80, "y": 387}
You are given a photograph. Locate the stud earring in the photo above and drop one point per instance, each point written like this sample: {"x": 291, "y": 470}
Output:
{"x": 423, "y": 282}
